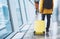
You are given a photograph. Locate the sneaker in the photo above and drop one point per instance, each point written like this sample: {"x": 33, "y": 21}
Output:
{"x": 47, "y": 34}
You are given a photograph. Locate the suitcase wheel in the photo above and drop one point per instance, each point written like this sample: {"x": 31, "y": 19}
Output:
{"x": 43, "y": 32}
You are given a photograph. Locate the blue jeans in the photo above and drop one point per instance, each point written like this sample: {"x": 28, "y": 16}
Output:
{"x": 48, "y": 20}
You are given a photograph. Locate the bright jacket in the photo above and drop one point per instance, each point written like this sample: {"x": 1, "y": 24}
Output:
{"x": 44, "y": 11}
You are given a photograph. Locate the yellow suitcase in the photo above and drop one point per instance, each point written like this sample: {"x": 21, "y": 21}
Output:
{"x": 39, "y": 27}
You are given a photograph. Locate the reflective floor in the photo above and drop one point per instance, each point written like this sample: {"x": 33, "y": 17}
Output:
{"x": 54, "y": 32}
{"x": 30, "y": 35}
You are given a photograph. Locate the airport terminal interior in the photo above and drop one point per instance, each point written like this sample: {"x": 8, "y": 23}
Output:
{"x": 17, "y": 19}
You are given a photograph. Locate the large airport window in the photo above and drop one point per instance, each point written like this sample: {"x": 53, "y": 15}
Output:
{"x": 30, "y": 9}
{"x": 23, "y": 11}
{"x": 5, "y": 22}
{"x": 19, "y": 15}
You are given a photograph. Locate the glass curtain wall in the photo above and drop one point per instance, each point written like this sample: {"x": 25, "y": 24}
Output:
{"x": 5, "y": 22}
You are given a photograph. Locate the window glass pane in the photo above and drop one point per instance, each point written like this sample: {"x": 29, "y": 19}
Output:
{"x": 18, "y": 13}
{"x": 32, "y": 1}
{"x": 54, "y": 15}
{"x": 58, "y": 14}
{"x": 5, "y": 23}
{"x": 30, "y": 9}
{"x": 24, "y": 15}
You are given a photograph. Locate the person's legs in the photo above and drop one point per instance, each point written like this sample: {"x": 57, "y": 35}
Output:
{"x": 43, "y": 16}
{"x": 48, "y": 22}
